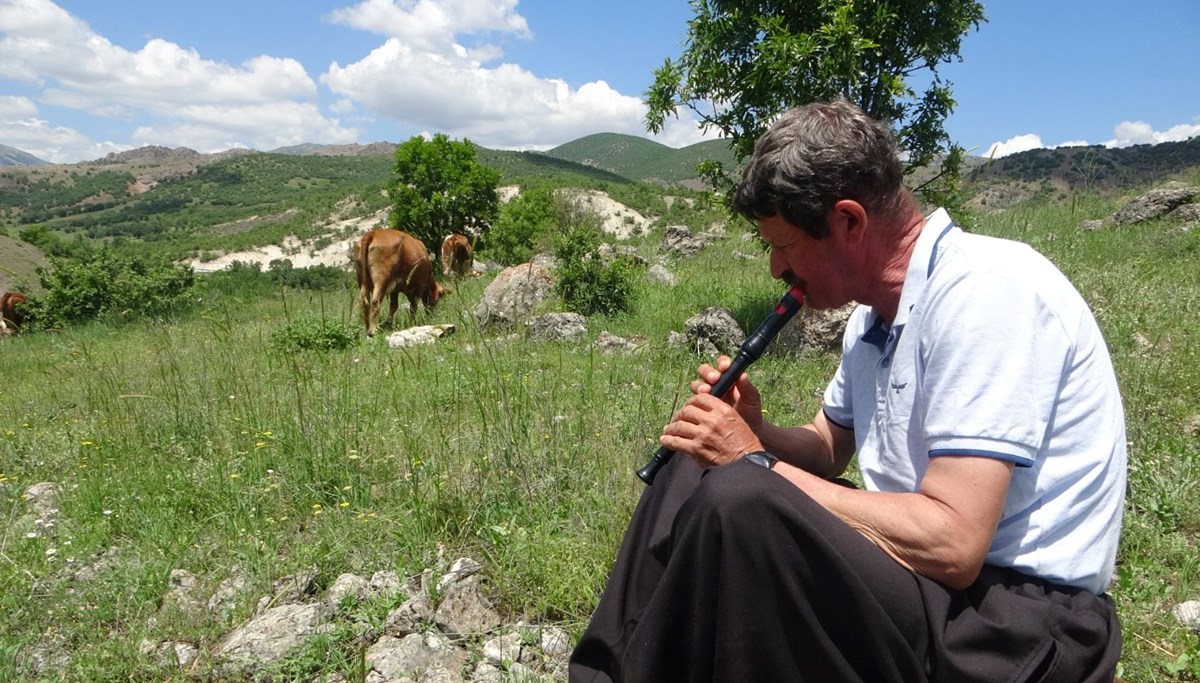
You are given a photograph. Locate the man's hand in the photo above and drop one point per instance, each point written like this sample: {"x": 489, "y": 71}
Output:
{"x": 743, "y": 396}
{"x": 710, "y": 431}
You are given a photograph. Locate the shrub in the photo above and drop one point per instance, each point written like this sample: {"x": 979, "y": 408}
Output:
{"x": 585, "y": 282}
{"x": 314, "y": 333}
{"x": 108, "y": 284}
{"x": 319, "y": 277}
{"x": 524, "y": 223}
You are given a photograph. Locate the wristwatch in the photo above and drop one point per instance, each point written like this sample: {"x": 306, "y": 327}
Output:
{"x": 761, "y": 458}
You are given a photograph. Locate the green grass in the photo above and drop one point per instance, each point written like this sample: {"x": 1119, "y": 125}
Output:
{"x": 198, "y": 444}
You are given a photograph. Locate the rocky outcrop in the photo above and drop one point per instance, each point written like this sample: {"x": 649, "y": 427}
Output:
{"x": 1174, "y": 202}
{"x": 444, "y": 629}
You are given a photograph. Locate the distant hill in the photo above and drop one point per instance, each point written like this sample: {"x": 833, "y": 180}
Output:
{"x": 11, "y": 156}
{"x": 1095, "y": 168}
{"x": 642, "y": 160}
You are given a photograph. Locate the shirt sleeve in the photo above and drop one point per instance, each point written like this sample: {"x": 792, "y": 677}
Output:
{"x": 994, "y": 354}
{"x": 839, "y": 397}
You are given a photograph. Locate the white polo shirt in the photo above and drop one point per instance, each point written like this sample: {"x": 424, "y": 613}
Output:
{"x": 994, "y": 354}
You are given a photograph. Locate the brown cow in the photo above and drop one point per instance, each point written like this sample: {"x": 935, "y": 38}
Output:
{"x": 389, "y": 262}
{"x": 11, "y": 316}
{"x": 458, "y": 258}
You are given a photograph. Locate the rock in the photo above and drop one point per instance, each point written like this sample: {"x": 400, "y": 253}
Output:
{"x": 814, "y": 329}
{"x": 296, "y": 587}
{"x": 417, "y": 336}
{"x": 183, "y": 590}
{"x": 555, "y": 642}
{"x": 714, "y": 331}
{"x": 347, "y": 586}
{"x": 504, "y": 650}
{"x": 273, "y": 635}
{"x": 170, "y": 654}
{"x": 414, "y": 657}
{"x": 224, "y": 600}
{"x": 465, "y": 610}
{"x": 1188, "y": 614}
{"x": 513, "y": 294}
{"x": 1154, "y": 204}
{"x": 678, "y": 239}
{"x": 608, "y": 343}
{"x": 659, "y": 274}
{"x": 557, "y": 327}
{"x": 385, "y": 583}
{"x": 410, "y": 617}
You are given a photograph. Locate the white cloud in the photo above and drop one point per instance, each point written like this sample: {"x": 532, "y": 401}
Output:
{"x": 1127, "y": 133}
{"x": 56, "y": 144}
{"x": 13, "y": 108}
{"x": 433, "y": 25}
{"x": 176, "y": 88}
{"x": 423, "y": 77}
{"x": 1013, "y": 145}
{"x": 1141, "y": 133}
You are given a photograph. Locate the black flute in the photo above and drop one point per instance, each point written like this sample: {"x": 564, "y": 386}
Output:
{"x": 751, "y": 350}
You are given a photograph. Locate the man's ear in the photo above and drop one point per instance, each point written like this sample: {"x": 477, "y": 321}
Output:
{"x": 851, "y": 218}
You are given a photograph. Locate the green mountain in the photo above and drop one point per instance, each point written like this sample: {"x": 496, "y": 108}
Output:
{"x": 642, "y": 160}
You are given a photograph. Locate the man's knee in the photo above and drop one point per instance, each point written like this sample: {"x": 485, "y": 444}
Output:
{"x": 734, "y": 494}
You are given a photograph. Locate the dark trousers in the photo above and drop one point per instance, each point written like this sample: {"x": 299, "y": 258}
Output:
{"x": 733, "y": 574}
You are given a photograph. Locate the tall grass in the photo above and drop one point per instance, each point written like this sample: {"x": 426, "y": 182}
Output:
{"x": 196, "y": 444}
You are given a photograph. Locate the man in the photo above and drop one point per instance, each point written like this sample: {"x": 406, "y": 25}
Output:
{"x": 979, "y": 397}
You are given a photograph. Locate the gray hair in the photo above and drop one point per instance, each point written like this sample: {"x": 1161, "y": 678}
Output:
{"x": 816, "y": 155}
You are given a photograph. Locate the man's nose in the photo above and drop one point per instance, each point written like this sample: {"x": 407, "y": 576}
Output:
{"x": 779, "y": 264}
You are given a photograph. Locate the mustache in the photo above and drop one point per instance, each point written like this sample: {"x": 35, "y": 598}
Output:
{"x": 792, "y": 279}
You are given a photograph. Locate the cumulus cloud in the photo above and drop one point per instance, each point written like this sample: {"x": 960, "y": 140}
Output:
{"x": 1141, "y": 133}
{"x": 43, "y": 45}
{"x": 1127, "y": 133}
{"x": 56, "y": 144}
{"x": 1020, "y": 143}
{"x": 423, "y": 76}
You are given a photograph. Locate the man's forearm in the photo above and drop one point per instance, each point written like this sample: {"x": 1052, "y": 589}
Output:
{"x": 802, "y": 447}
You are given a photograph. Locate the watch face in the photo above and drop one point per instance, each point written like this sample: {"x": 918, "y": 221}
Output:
{"x": 761, "y": 458}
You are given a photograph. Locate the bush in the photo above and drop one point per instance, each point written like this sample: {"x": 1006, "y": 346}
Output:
{"x": 319, "y": 277}
{"x": 585, "y": 282}
{"x": 314, "y": 334}
{"x": 524, "y": 222}
{"x": 108, "y": 284}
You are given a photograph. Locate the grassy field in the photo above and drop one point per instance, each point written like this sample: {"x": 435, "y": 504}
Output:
{"x": 193, "y": 444}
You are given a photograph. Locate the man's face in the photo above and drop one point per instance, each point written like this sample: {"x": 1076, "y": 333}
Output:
{"x": 817, "y": 265}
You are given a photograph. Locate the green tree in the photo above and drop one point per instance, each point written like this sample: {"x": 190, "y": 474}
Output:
{"x": 440, "y": 188}
{"x": 745, "y": 61}
{"x": 525, "y": 221}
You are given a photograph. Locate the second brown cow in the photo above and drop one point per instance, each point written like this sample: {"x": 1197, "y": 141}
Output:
{"x": 11, "y": 316}
{"x": 458, "y": 258}
{"x": 388, "y": 263}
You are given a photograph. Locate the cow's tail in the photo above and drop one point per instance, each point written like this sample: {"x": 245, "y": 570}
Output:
{"x": 366, "y": 288}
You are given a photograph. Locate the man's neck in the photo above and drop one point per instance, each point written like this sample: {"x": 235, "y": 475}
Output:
{"x": 895, "y": 248}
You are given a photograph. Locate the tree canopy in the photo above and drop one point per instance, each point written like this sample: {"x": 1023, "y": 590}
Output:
{"x": 440, "y": 188}
{"x": 745, "y": 61}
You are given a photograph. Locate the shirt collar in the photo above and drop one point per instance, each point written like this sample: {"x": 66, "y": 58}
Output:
{"x": 924, "y": 257}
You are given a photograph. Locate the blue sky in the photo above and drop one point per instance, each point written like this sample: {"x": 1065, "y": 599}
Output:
{"x": 82, "y": 78}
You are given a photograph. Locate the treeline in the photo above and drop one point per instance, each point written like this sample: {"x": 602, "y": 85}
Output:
{"x": 36, "y": 201}
{"x": 1094, "y": 167}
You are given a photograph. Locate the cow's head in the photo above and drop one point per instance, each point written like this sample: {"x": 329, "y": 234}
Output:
{"x": 434, "y": 295}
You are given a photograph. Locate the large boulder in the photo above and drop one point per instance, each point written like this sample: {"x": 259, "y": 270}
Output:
{"x": 514, "y": 293}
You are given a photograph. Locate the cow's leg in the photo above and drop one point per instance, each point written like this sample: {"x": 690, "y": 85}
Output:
{"x": 377, "y": 295}
{"x": 393, "y": 304}
{"x": 364, "y": 303}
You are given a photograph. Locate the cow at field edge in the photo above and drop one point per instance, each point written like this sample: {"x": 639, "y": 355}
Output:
{"x": 458, "y": 258}
{"x": 10, "y": 317}
{"x": 389, "y": 262}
